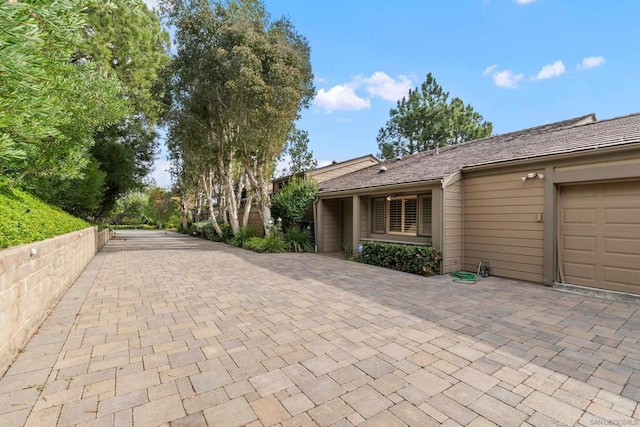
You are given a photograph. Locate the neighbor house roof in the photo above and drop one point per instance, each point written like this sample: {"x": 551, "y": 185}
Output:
{"x": 569, "y": 136}
{"x": 332, "y": 166}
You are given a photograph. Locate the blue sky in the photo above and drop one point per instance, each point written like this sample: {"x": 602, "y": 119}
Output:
{"x": 519, "y": 63}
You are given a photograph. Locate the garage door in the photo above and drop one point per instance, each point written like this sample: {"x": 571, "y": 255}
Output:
{"x": 599, "y": 235}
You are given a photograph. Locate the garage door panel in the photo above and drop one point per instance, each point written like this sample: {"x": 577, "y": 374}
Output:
{"x": 623, "y": 216}
{"x": 579, "y": 243}
{"x": 621, "y": 245}
{"x": 579, "y": 216}
{"x": 579, "y": 270}
{"x": 599, "y": 241}
{"x": 624, "y": 277}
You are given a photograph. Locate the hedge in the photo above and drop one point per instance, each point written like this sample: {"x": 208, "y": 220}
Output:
{"x": 416, "y": 259}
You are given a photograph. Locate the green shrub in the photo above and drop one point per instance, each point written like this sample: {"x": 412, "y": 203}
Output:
{"x": 255, "y": 244}
{"x": 423, "y": 260}
{"x": 134, "y": 227}
{"x": 205, "y": 230}
{"x": 244, "y": 234}
{"x": 298, "y": 240}
{"x": 227, "y": 233}
{"x": 274, "y": 243}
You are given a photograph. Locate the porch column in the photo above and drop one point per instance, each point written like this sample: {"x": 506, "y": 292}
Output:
{"x": 356, "y": 223}
{"x": 318, "y": 225}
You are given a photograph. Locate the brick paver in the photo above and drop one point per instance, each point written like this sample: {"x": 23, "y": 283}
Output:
{"x": 167, "y": 329}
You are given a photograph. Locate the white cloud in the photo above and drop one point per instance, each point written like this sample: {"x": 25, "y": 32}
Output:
{"x": 591, "y": 62}
{"x": 382, "y": 85}
{"x": 524, "y": 1}
{"x": 490, "y": 69}
{"x": 340, "y": 97}
{"x": 506, "y": 78}
{"x": 323, "y": 163}
{"x": 551, "y": 70}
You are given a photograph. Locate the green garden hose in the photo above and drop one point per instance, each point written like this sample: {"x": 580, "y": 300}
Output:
{"x": 464, "y": 277}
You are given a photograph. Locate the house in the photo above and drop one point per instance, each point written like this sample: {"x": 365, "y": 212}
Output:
{"x": 321, "y": 174}
{"x": 558, "y": 203}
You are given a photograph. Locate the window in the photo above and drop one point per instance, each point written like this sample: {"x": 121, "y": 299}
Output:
{"x": 408, "y": 215}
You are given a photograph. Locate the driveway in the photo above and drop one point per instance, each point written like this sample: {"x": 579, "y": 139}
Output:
{"x": 165, "y": 329}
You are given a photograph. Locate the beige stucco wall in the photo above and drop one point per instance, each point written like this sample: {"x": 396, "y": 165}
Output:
{"x": 31, "y": 284}
{"x": 503, "y": 224}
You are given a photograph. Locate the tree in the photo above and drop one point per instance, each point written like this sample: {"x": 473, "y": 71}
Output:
{"x": 126, "y": 40}
{"x": 160, "y": 206}
{"x": 426, "y": 119}
{"x": 293, "y": 200}
{"x": 297, "y": 154}
{"x": 49, "y": 106}
{"x": 239, "y": 83}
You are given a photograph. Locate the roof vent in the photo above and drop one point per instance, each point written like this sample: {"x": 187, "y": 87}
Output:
{"x": 383, "y": 169}
{"x": 333, "y": 162}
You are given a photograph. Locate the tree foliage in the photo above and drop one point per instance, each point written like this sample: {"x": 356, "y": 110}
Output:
{"x": 298, "y": 157}
{"x": 238, "y": 82}
{"x": 160, "y": 206}
{"x": 78, "y": 77}
{"x": 126, "y": 40}
{"x": 293, "y": 200}
{"x": 50, "y": 106}
{"x": 426, "y": 119}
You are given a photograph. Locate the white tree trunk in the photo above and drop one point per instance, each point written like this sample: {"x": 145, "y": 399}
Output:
{"x": 260, "y": 186}
{"x": 247, "y": 210}
{"x": 208, "y": 188}
{"x": 231, "y": 205}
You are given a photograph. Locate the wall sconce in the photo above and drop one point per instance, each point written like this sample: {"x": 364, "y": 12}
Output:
{"x": 532, "y": 175}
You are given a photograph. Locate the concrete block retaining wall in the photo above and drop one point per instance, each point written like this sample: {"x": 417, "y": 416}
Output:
{"x": 33, "y": 278}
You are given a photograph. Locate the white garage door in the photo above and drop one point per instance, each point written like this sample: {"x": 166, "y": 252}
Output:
{"x": 599, "y": 235}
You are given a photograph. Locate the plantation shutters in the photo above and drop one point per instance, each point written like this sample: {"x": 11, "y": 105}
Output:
{"x": 395, "y": 216}
{"x": 379, "y": 216}
{"x": 425, "y": 216}
{"x": 403, "y": 215}
{"x": 410, "y": 215}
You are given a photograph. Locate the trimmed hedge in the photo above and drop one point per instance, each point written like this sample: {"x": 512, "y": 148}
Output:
{"x": 422, "y": 260}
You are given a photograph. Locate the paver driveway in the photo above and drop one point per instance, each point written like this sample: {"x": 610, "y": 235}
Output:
{"x": 168, "y": 329}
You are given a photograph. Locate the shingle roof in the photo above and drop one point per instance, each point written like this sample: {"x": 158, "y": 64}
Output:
{"x": 569, "y": 136}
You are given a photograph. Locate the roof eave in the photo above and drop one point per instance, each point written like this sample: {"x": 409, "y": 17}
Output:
{"x": 405, "y": 186}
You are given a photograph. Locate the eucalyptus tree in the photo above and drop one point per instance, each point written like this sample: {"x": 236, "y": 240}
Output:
{"x": 425, "y": 119}
{"x": 241, "y": 79}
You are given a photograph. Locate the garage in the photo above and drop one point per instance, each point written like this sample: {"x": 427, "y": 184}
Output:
{"x": 599, "y": 235}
